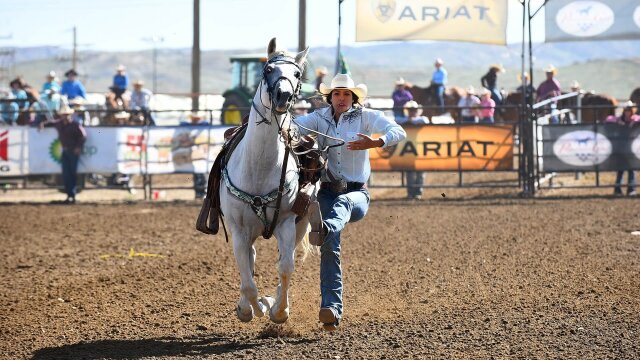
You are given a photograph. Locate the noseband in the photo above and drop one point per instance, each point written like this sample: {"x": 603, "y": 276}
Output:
{"x": 271, "y": 84}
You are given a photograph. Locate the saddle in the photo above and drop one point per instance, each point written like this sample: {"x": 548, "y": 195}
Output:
{"x": 310, "y": 163}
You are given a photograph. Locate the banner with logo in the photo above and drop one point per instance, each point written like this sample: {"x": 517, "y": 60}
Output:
{"x": 446, "y": 147}
{"x": 577, "y": 20}
{"x": 605, "y": 147}
{"x": 479, "y": 21}
{"x": 188, "y": 149}
{"x": 14, "y": 154}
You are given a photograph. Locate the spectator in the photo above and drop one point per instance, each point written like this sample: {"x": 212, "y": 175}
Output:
{"x": 400, "y": 97}
{"x": 438, "y": 83}
{"x": 490, "y": 82}
{"x": 629, "y": 119}
{"x": 72, "y": 137}
{"x": 320, "y": 73}
{"x": 469, "y": 104}
{"x": 301, "y": 108}
{"x": 528, "y": 89}
{"x": 72, "y": 87}
{"x": 19, "y": 94}
{"x": 46, "y": 109}
{"x": 199, "y": 180}
{"x": 9, "y": 110}
{"x": 120, "y": 83}
{"x": 487, "y": 107}
{"x": 550, "y": 87}
{"x": 343, "y": 195}
{"x": 575, "y": 87}
{"x": 140, "y": 99}
{"x": 415, "y": 179}
{"x": 51, "y": 83}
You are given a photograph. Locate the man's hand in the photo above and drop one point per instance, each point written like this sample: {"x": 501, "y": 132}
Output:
{"x": 365, "y": 142}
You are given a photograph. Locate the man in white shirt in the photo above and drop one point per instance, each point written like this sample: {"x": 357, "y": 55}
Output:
{"x": 343, "y": 195}
{"x": 139, "y": 102}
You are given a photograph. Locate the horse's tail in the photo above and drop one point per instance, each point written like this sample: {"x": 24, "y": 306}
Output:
{"x": 303, "y": 243}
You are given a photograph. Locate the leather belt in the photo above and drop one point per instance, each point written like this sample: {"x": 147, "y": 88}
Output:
{"x": 337, "y": 188}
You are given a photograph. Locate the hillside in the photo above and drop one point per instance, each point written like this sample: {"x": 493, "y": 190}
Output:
{"x": 376, "y": 65}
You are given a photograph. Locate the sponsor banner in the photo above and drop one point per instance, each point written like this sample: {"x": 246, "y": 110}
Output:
{"x": 14, "y": 158}
{"x": 480, "y": 21}
{"x": 604, "y": 147}
{"x": 446, "y": 147}
{"x": 188, "y": 149}
{"x": 98, "y": 153}
{"x": 576, "y": 20}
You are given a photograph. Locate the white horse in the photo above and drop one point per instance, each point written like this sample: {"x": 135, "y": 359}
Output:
{"x": 252, "y": 178}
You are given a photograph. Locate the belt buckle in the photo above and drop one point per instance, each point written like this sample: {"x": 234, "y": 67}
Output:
{"x": 339, "y": 186}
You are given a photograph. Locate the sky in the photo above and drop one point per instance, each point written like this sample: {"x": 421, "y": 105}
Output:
{"x": 225, "y": 24}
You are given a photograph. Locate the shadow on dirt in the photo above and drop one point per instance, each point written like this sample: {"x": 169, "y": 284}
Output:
{"x": 202, "y": 345}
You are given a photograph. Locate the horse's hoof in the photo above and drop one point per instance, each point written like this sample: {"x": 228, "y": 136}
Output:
{"x": 279, "y": 319}
{"x": 244, "y": 317}
{"x": 264, "y": 305}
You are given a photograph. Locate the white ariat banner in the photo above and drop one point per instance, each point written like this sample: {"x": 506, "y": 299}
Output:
{"x": 129, "y": 150}
{"x": 14, "y": 157}
{"x": 479, "y": 21}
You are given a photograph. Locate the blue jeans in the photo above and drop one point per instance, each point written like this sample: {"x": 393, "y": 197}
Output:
{"x": 487, "y": 120}
{"x": 631, "y": 185}
{"x": 496, "y": 96}
{"x": 468, "y": 119}
{"x": 415, "y": 180}
{"x": 439, "y": 94}
{"x": 70, "y": 172}
{"x": 337, "y": 210}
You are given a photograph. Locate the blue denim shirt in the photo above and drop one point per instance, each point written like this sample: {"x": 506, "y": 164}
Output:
{"x": 351, "y": 165}
{"x": 440, "y": 76}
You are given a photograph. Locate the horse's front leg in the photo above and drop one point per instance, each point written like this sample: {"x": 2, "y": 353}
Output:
{"x": 285, "y": 233}
{"x": 245, "y": 255}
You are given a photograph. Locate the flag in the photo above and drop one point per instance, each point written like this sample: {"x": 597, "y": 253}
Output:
{"x": 342, "y": 66}
{"x": 479, "y": 21}
{"x": 568, "y": 20}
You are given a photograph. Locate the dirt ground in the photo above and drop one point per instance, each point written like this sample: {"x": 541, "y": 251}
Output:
{"x": 461, "y": 276}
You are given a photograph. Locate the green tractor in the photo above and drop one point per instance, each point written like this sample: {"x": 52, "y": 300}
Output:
{"x": 246, "y": 74}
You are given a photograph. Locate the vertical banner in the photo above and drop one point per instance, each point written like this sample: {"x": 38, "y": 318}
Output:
{"x": 576, "y": 20}
{"x": 14, "y": 154}
{"x": 446, "y": 147}
{"x": 479, "y": 21}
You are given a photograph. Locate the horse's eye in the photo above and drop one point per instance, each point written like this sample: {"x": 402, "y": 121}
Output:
{"x": 269, "y": 70}
{"x": 297, "y": 74}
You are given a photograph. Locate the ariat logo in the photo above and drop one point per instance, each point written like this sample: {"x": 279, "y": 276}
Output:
{"x": 4, "y": 145}
{"x": 383, "y": 9}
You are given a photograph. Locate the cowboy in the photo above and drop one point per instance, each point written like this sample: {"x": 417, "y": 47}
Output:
{"x": 120, "y": 83}
{"x": 490, "y": 82}
{"x": 72, "y": 87}
{"x": 343, "y": 195}
{"x": 51, "y": 83}
{"x": 140, "y": 99}
{"x": 550, "y": 87}
{"x": 438, "y": 82}
{"x": 72, "y": 137}
{"x": 400, "y": 97}
{"x": 415, "y": 179}
{"x": 468, "y": 106}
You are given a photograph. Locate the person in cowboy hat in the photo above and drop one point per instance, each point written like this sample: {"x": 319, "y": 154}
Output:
{"x": 400, "y": 97}
{"x": 550, "y": 87}
{"x": 72, "y": 87}
{"x": 528, "y": 89}
{"x": 51, "y": 83}
{"x": 320, "y": 73}
{"x": 120, "y": 82}
{"x": 72, "y": 137}
{"x": 490, "y": 82}
{"x": 343, "y": 196}
{"x": 438, "y": 82}
{"x": 468, "y": 106}
{"x": 140, "y": 100}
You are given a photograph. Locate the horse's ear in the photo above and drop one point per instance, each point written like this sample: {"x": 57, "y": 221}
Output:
{"x": 301, "y": 58}
{"x": 272, "y": 46}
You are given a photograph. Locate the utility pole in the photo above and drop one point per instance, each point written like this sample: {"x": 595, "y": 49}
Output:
{"x": 195, "y": 58}
{"x": 74, "y": 56}
{"x": 155, "y": 40}
{"x": 339, "y": 33}
{"x": 302, "y": 25}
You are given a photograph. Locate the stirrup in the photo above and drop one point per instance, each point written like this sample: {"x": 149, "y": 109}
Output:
{"x": 318, "y": 231}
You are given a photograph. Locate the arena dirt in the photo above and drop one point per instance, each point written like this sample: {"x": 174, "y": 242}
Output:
{"x": 444, "y": 277}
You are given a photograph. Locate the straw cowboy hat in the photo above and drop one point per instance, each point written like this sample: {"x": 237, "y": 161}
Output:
{"x": 120, "y": 68}
{"x": 551, "y": 69}
{"x": 498, "y": 68}
{"x": 302, "y": 104}
{"x": 525, "y": 74}
{"x": 400, "y": 81}
{"x": 411, "y": 105}
{"x": 344, "y": 81}
{"x": 138, "y": 83}
{"x": 470, "y": 90}
{"x": 485, "y": 92}
{"x": 439, "y": 61}
{"x": 575, "y": 84}
{"x": 629, "y": 105}
{"x": 321, "y": 71}
{"x": 51, "y": 74}
{"x": 65, "y": 110}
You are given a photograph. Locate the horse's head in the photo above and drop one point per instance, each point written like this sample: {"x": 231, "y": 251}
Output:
{"x": 282, "y": 74}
